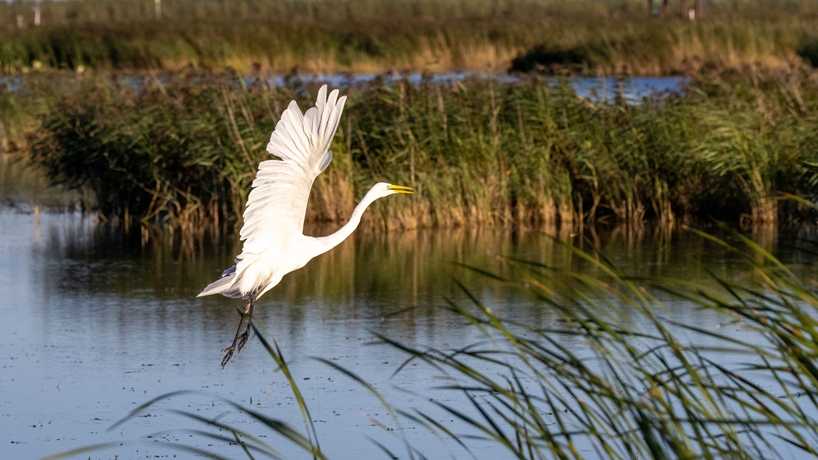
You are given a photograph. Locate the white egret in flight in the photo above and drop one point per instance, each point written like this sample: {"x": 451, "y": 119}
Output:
{"x": 274, "y": 242}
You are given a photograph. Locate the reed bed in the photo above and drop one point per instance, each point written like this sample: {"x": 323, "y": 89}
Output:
{"x": 362, "y": 36}
{"x": 180, "y": 155}
{"x": 22, "y": 183}
{"x": 652, "y": 386}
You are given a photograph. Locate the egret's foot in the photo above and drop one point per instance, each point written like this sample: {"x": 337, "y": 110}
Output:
{"x": 235, "y": 348}
{"x": 243, "y": 340}
{"x": 242, "y": 334}
{"x": 228, "y": 354}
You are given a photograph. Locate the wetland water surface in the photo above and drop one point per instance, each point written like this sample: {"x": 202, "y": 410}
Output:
{"x": 605, "y": 89}
{"x": 91, "y": 327}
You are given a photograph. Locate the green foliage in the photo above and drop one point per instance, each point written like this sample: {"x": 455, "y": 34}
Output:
{"x": 182, "y": 153}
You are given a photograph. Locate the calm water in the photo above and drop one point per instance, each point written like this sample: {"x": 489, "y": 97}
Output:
{"x": 632, "y": 89}
{"x": 93, "y": 327}
{"x": 607, "y": 89}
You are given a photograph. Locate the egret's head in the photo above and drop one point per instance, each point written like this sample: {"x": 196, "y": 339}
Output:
{"x": 382, "y": 189}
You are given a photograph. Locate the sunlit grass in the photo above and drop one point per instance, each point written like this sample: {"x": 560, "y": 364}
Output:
{"x": 179, "y": 154}
{"x": 432, "y": 35}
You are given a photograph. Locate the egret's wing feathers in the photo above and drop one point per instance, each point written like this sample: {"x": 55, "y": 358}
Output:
{"x": 278, "y": 200}
{"x": 325, "y": 161}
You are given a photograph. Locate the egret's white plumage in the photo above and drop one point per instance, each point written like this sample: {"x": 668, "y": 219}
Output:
{"x": 274, "y": 243}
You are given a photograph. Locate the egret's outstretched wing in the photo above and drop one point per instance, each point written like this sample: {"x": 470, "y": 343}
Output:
{"x": 278, "y": 201}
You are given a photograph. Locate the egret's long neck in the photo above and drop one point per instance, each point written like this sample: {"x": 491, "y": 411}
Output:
{"x": 330, "y": 241}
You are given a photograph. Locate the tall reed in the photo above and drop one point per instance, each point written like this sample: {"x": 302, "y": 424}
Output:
{"x": 182, "y": 154}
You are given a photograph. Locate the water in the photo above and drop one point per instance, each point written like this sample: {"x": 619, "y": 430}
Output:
{"x": 605, "y": 89}
{"x": 10, "y": 82}
{"x": 93, "y": 326}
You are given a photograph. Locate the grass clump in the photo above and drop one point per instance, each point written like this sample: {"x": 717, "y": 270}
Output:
{"x": 180, "y": 154}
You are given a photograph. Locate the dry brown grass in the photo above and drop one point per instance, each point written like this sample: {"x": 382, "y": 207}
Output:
{"x": 434, "y": 36}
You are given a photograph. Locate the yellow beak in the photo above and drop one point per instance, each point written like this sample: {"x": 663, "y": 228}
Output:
{"x": 400, "y": 189}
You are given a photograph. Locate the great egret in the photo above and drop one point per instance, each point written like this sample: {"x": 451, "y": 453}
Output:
{"x": 274, "y": 242}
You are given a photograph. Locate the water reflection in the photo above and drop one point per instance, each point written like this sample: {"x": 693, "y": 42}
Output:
{"x": 366, "y": 278}
{"x": 95, "y": 323}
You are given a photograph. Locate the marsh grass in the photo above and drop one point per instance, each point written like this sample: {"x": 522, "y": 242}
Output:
{"x": 21, "y": 182}
{"x": 180, "y": 153}
{"x": 362, "y": 36}
{"x": 652, "y": 386}
{"x": 26, "y": 187}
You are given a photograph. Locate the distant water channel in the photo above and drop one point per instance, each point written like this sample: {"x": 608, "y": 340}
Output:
{"x": 92, "y": 326}
{"x": 608, "y": 89}
{"x": 632, "y": 89}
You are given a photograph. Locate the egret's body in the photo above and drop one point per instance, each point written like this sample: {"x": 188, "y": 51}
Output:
{"x": 273, "y": 240}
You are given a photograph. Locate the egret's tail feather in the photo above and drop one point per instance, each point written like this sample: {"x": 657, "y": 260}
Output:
{"x": 223, "y": 285}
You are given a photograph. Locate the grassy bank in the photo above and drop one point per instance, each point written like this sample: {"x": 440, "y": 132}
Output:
{"x": 621, "y": 374}
{"x": 363, "y": 36}
{"x": 182, "y": 154}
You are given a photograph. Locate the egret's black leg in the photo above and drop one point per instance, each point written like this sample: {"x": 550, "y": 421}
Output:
{"x": 248, "y": 313}
{"x": 237, "y": 339}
